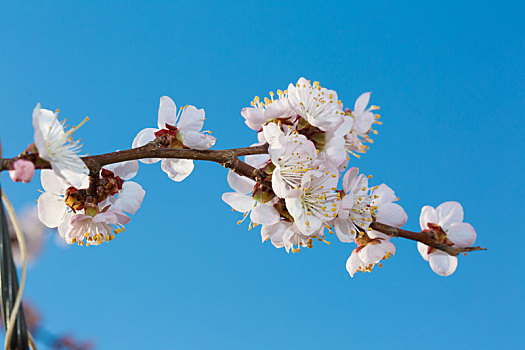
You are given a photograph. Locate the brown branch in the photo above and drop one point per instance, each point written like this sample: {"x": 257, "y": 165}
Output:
{"x": 424, "y": 237}
{"x": 227, "y": 158}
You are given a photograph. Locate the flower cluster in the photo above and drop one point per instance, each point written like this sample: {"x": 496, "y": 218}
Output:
{"x": 90, "y": 218}
{"x": 310, "y": 136}
{"x": 300, "y": 189}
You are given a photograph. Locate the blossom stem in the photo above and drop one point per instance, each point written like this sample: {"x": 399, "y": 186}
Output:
{"x": 424, "y": 237}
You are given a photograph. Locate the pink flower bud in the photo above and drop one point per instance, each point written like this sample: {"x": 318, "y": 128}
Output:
{"x": 22, "y": 171}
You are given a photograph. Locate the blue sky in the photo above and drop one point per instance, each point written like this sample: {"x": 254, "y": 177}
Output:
{"x": 449, "y": 79}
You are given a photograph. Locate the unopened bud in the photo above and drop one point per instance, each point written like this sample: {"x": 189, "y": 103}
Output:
{"x": 22, "y": 171}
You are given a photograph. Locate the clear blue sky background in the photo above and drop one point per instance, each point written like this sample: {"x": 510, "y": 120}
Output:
{"x": 449, "y": 77}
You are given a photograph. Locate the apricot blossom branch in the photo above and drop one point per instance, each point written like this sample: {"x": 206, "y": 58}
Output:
{"x": 289, "y": 183}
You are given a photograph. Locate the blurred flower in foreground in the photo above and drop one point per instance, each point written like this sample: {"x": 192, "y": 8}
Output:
{"x": 33, "y": 231}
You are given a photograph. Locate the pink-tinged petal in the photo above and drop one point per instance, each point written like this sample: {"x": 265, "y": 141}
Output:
{"x": 238, "y": 201}
{"x": 428, "y": 214}
{"x": 349, "y": 178}
{"x": 177, "y": 169}
{"x": 343, "y": 230}
{"x": 239, "y": 183}
{"x": 191, "y": 119}
{"x": 143, "y": 137}
{"x": 112, "y": 217}
{"x": 52, "y": 182}
{"x": 442, "y": 263}
{"x": 51, "y": 209}
{"x": 77, "y": 218}
{"x": 130, "y": 197}
{"x": 353, "y": 263}
{"x": 462, "y": 234}
{"x": 197, "y": 140}
{"x": 254, "y": 117}
{"x": 125, "y": 170}
{"x": 361, "y": 102}
{"x": 423, "y": 250}
{"x": 449, "y": 213}
{"x": 391, "y": 214}
{"x": 264, "y": 214}
{"x": 167, "y": 112}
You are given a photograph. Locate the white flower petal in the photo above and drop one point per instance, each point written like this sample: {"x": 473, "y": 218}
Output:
{"x": 423, "y": 249}
{"x": 52, "y": 182}
{"x": 350, "y": 178}
{"x": 238, "y": 201}
{"x": 197, "y": 140}
{"x": 272, "y": 132}
{"x": 442, "y": 263}
{"x": 449, "y": 213}
{"x": 130, "y": 197}
{"x": 391, "y": 214}
{"x": 125, "y": 170}
{"x": 191, "y": 119}
{"x": 177, "y": 169}
{"x": 51, "y": 209}
{"x": 353, "y": 263}
{"x": 239, "y": 183}
{"x": 255, "y": 117}
{"x": 428, "y": 214}
{"x": 167, "y": 112}
{"x": 362, "y": 102}
{"x": 343, "y": 230}
{"x": 462, "y": 234}
{"x": 143, "y": 137}
{"x": 264, "y": 214}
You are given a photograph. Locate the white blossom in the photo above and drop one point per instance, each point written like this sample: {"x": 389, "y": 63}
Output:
{"x": 292, "y": 154}
{"x": 57, "y": 146}
{"x": 355, "y": 212}
{"x": 364, "y": 257}
{"x": 54, "y": 212}
{"x": 186, "y": 125}
{"x": 448, "y": 216}
{"x": 269, "y": 109}
{"x": 315, "y": 202}
{"x": 319, "y": 106}
{"x": 242, "y": 201}
{"x": 363, "y": 118}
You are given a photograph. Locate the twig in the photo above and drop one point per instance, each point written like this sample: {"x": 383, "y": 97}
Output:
{"x": 424, "y": 237}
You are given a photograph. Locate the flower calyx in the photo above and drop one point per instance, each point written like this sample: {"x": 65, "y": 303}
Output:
{"x": 169, "y": 137}
{"x": 109, "y": 184}
{"x": 437, "y": 233}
